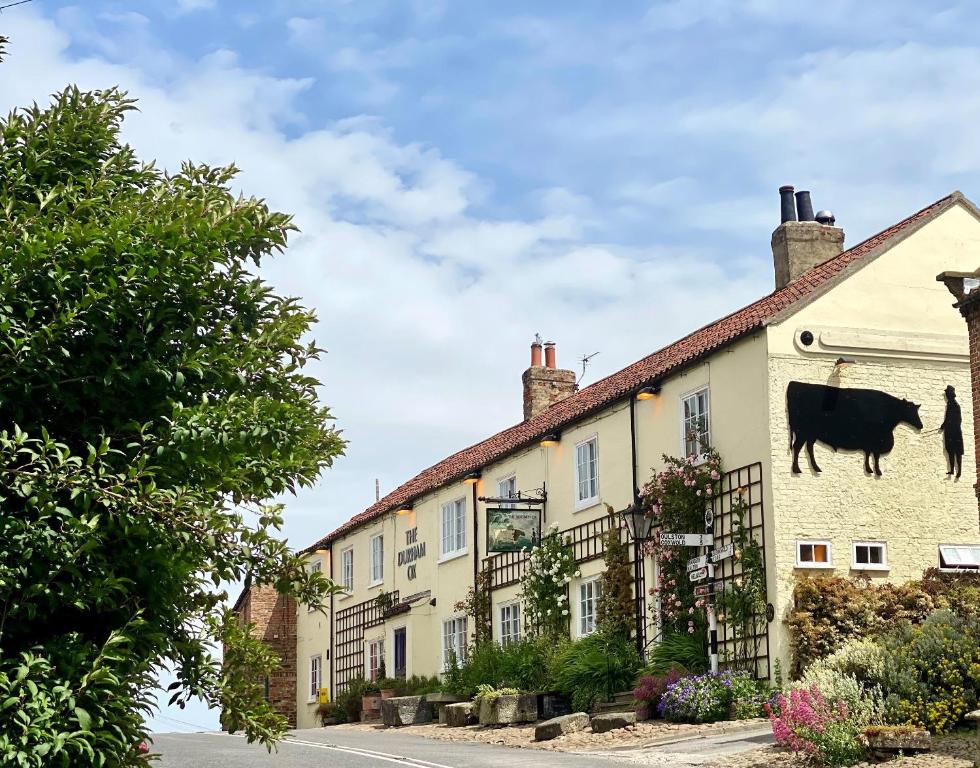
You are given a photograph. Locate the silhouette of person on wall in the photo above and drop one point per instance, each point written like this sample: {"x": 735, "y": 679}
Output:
{"x": 953, "y": 433}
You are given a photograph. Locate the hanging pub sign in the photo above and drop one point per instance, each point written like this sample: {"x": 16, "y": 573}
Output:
{"x": 510, "y": 529}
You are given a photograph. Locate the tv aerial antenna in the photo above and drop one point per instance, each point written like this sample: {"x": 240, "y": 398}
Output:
{"x": 585, "y": 360}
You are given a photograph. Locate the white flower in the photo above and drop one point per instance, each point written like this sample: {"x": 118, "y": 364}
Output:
{"x": 567, "y": 579}
{"x": 564, "y": 612}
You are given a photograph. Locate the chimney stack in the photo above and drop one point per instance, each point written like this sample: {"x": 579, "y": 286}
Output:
{"x": 800, "y": 242}
{"x": 545, "y": 385}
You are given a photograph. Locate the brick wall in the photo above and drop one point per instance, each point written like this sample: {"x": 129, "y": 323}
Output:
{"x": 274, "y": 617}
{"x": 971, "y": 311}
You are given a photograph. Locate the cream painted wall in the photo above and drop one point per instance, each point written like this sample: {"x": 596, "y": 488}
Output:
{"x": 906, "y": 316}
{"x": 312, "y": 638}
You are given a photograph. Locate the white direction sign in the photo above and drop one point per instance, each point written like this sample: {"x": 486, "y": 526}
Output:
{"x": 722, "y": 553}
{"x": 686, "y": 539}
{"x": 697, "y": 562}
{"x": 707, "y": 572}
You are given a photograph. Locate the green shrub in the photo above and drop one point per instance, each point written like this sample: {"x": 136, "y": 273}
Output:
{"x": 959, "y": 592}
{"x": 489, "y": 694}
{"x": 678, "y": 651}
{"x": 526, "y": 664}
{"x": 597, "y": 666}
{"x": 346, "y": 708}
{"x": 865, "y": 704}
{"x": 932, "y": 672}
{"x": 829, "y": 610}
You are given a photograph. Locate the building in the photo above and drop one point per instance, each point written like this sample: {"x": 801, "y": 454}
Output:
{"x": 870, "y": 325}
{"x": 274, "y": 617}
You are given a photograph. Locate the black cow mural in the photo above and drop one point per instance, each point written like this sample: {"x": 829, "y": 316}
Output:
{"x": 851, "y": 419}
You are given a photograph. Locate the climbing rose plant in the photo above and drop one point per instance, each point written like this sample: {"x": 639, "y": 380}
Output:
{"x": 675, "y": 499}
{"x": 544, "y": 586}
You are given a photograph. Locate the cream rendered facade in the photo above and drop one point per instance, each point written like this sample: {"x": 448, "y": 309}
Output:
{"x": 887, "y": 313}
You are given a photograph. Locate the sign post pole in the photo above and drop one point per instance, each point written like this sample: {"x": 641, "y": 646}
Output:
{"x": 710, "y": 600}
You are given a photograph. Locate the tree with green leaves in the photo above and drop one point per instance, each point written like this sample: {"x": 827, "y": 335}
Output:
{"x": 153, "y": 403}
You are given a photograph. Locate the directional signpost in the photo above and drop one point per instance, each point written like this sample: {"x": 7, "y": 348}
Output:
{"x": 722, "y": 553}
{"x": 685, "y": 539}
{"x": 697, "y": 562}
{"x": 708, "y": 572}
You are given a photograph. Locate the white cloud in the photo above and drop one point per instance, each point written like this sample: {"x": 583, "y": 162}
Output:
{"x": 189, "y": 6}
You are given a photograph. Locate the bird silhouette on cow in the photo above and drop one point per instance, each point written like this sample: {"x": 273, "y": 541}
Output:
{"x": 849, "y": 419}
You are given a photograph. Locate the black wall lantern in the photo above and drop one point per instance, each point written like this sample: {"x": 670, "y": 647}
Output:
{"x": 637, "y": 522}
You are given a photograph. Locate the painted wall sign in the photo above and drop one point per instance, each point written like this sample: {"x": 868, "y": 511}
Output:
{"x": 952, "y": 429}
{"x": 685, "y": 539}
{"x": 697, "y": 562}
{"x": 851, "y": 419}
{"x": 510, "y": 529}
{"x": 722, "y": 553}
{"x": 414, "y": 551}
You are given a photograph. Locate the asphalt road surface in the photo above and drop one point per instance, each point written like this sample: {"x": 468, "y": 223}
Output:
{"x": 342, "y": 748}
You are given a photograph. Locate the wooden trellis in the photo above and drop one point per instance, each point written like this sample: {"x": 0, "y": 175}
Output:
{"x": 350, "y": 626}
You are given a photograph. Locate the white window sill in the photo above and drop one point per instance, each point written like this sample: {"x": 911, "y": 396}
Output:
{"x": 374, "y": 584}
{"x": 870, "y": 567}
{"x": 812, "y": 566}
{"x": 345, "y": 594}
{"x": 585, "y": 504}
{"x": 452, "y": 556}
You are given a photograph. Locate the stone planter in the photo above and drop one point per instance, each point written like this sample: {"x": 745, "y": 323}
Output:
{"x": 406, "y": 710}
{"x": 508, "y": 710}
{"x": 551, "y": 705}
{"x": 642, "y": 712}
{"x": 887, "y": 742}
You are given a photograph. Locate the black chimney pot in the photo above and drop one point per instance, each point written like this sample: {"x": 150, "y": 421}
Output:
{"x": 787, "y": 205}
{"x": 803, "y": 206}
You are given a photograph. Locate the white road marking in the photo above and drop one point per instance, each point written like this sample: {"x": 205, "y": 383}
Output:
{"x": 383, "y": 756}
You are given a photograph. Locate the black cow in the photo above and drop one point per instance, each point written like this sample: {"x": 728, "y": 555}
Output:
{"x": 852, "y": 419}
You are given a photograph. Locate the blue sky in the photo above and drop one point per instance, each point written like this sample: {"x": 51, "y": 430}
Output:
{"x": 466, "y": 174}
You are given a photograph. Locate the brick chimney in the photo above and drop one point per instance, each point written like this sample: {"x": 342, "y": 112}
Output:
{"x": 802, "y": 240}
{"x": 545, "y": 385}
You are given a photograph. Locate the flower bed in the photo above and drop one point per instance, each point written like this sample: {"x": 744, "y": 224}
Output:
{"x": 709, "y": 697}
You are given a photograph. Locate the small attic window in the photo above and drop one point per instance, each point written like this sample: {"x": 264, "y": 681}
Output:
{"x": 959, "y": 558}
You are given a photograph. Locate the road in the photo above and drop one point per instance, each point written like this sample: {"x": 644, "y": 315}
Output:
{"x": 342, "y": 748}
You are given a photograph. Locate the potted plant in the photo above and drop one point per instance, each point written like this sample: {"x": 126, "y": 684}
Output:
{"x": 385, "y": 685}
{"x": 371, "y": 701}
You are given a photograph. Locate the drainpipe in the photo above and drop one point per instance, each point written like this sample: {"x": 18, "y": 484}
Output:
{"x": 330, "y": 652}
{"x": 476, "y": 545}
{"x": 637, "y": 561}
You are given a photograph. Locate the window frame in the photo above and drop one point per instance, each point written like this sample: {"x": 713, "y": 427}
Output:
{"x": 596, "y": 583}
{"x": 374, "y": 580}
{"x": 510, "y": 479}
{"x": 377, "y": 643}
{"x": 347, "y": 574}
{"x": 316, "y": 566}
{"x": 954, "y": 568}
{"x": 458, "y": 637}
{"x": 815, "y": 542}
{"x": 315, "y": 675}
{"x": 460, "y": 527}
{"x": 882, "y": 566}
{"x": 591, "y": 501}
{"x": 706, "y": 389}
{"x": 515, "y": 621}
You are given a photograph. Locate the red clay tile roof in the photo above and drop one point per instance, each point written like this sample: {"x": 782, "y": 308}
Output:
{"x": 655, "y": 366}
